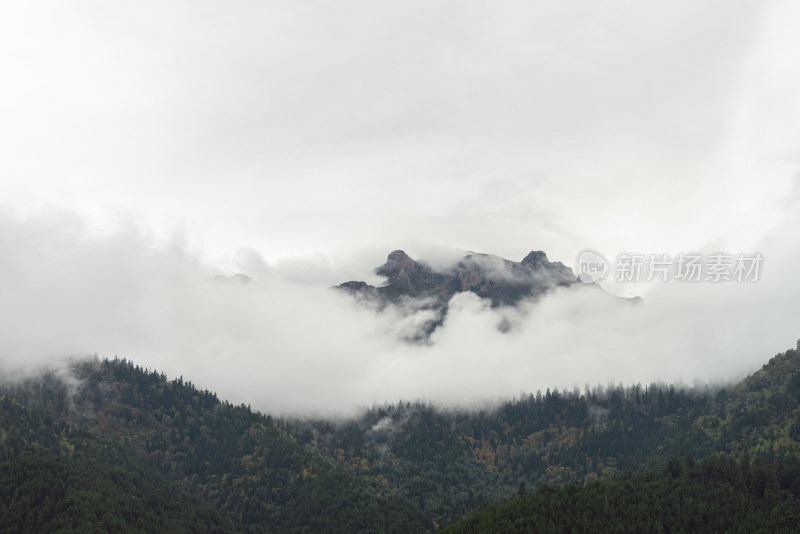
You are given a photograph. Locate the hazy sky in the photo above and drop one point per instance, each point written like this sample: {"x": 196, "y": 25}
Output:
{"x": 146, "y": 146}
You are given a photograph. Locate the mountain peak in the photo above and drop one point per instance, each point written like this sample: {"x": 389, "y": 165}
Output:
{"x": 502, "y": 281}
{"x": 398, "y": 255}
{"x": 409, "y": 277}
{"x": 394, "y": 261}
{"x": 535, "y": 258}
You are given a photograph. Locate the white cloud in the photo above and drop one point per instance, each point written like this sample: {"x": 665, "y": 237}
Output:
{"x": 312, "y": 128}
{"x": 292, "y": 347}
{"x": 313, "y": 138}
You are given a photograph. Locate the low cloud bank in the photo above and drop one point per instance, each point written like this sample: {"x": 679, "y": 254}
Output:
{"x": 288, "y": 344}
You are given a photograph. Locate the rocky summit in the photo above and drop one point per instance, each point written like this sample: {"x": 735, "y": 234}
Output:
{"x": 501, "y": 281}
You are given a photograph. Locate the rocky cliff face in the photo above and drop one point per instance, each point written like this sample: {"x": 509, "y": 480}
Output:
{"x": 408, "y": 277}
{"x": 501, "y": 281}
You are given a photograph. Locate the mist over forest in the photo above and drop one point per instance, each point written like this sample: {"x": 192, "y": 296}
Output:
{"x": 291, "y": 347}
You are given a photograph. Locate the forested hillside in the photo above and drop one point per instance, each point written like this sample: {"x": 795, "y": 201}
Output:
{"x": 240, "y": 462}
{"x": 761, "y": 415}
{"x": 405, "y": 467}
{"x": 719, "y": 494}
{"x": 450, "y": 462}
{"x": 54, "y": 477}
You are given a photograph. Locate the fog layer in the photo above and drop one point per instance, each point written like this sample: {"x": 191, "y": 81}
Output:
{"x": 289, "y": 344}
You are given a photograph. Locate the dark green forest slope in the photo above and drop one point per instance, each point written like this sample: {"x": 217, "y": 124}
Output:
{"x": 719, "y": 494}
{"x": 54, "y": 478}
{"x": 450, "y": 462}
{"x": 408, "y": 467}
{"x": 238, "y": 461}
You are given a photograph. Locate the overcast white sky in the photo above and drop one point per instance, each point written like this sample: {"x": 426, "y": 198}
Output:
{"x": 303, "y": 141}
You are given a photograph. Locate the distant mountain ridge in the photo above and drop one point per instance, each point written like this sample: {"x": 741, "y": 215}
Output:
{"x": 501, "y": 281}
